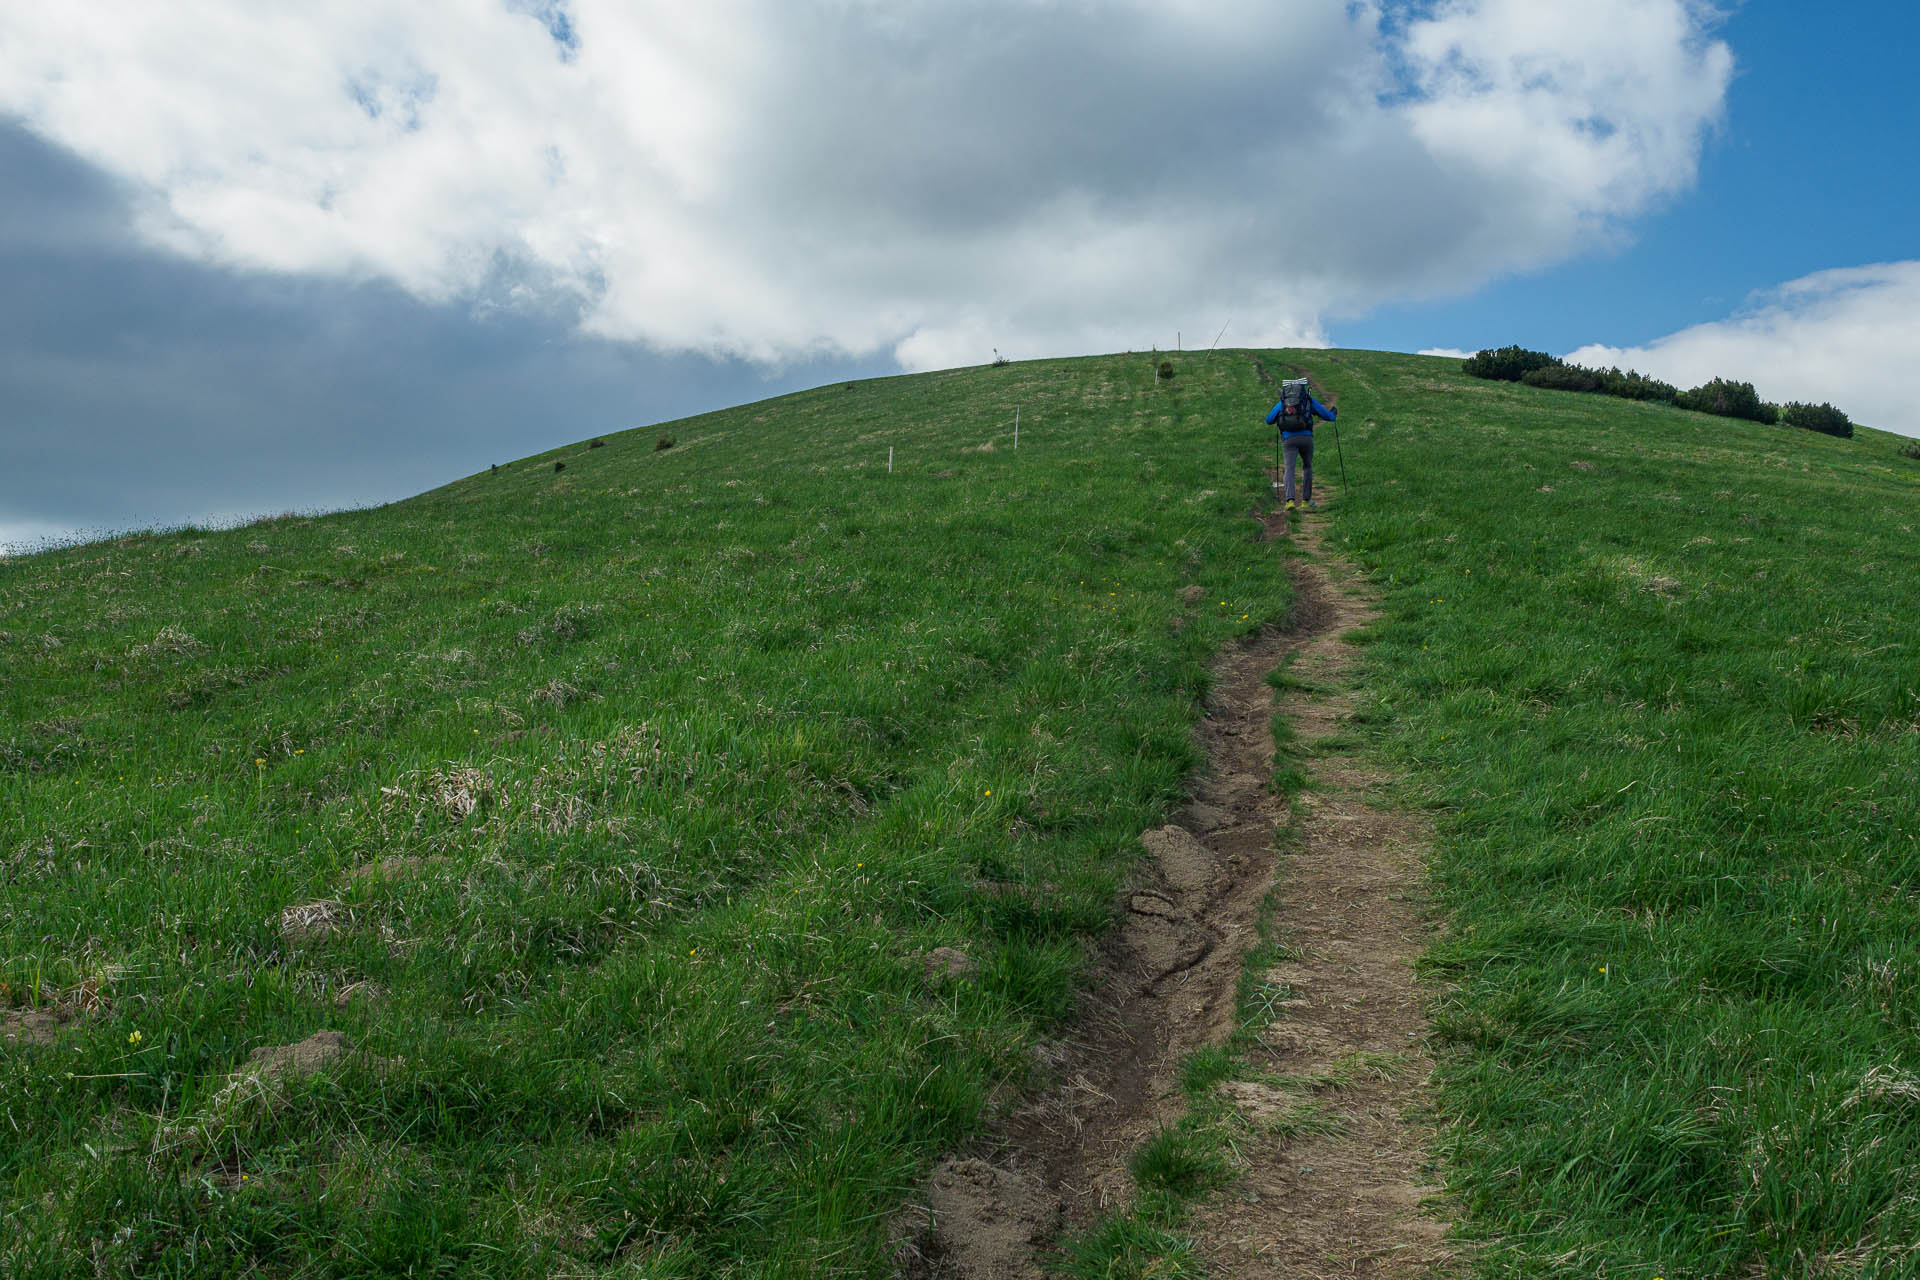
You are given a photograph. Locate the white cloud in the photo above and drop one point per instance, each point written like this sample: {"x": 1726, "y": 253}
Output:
{"x": 780, "y": 178}
{"x": 1849, "y": 337}
{"x": 1453, "y": 352}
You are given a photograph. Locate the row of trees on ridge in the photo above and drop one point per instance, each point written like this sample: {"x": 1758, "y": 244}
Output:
{"x": 1723, "y": 397}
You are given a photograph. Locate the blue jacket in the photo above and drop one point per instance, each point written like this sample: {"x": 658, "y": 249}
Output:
{"x": 1316, "y": 408}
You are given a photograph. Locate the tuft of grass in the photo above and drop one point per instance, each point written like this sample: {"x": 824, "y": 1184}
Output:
{"x": 1130, "y": 1247}
{"x": 1204, "y": 1068}
{"x": 1306, "y": 1118}
{"x": 1285, "y": 679}
{"x": 1179, "y": 1162}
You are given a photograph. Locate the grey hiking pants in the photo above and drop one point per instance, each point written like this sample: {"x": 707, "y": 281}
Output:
{"x": 1299, "y": 449}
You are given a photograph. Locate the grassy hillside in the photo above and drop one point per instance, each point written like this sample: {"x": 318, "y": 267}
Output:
{"x": 609, "y": 813}
{"x": 1660, "y": 674}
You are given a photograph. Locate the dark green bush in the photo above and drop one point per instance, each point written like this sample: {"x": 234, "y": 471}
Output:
{"x": 1634, "y": 385}
{"x": 1565, "y": 377}
{"x": 1729, "y": 400}
{"x": 1508, "y": 364}
{"x": 1823, "y": 418}
{"x": 1911, "y": 449}
{"x": 1631, "y": 385}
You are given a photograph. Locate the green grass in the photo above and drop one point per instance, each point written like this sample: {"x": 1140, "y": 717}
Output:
{"x": 1659, "y": 676}
{"x": 692, "y": 753}
{"x": 688, "y": 755}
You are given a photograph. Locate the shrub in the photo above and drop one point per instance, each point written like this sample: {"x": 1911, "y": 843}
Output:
{"x": 1634, "y": 385}
{"x": 1166, "y": 368}
{"x": 663, "y": 443}
{"x": 1508, "y": 364}
{"x": 1564, "y": 377}
{"x": 1728, "y": 400}
{"x": 1911, "y": 449}
{"x": 1823, "y": 418}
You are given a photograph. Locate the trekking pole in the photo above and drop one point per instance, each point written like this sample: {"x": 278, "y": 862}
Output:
{"x": 1342, "y": 452}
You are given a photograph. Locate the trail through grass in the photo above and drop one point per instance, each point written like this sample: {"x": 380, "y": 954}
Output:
{"x": 610, "y": 814}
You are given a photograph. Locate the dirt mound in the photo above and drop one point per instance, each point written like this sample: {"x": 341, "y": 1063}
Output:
{"x": 274, "y": 1063}
{"x": 56, "y": 1009}
{"x": 29, "y": 1026}
{"x": 312, "y": 922}
{"x": 1161, "y": 940}
{"x": 948, "y": 962}
{"x": 1188, "y": 866}
{"x": 984, "y": 1222}
{"x": 260, "y": 1088}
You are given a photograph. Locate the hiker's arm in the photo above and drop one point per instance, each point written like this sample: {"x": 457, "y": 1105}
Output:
{"x": 1273, "y": 415}
{"x": 1324, "y": 411}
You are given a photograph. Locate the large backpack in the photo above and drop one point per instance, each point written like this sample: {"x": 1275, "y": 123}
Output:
{"x": 1296, "y": 405}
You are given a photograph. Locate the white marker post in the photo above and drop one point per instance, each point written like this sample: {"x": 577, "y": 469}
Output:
{"x": 889, "y": 459}
{"x": 1016, "y": 426}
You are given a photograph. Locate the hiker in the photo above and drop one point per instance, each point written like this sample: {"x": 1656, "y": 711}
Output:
{"x": 1294, "y": 416}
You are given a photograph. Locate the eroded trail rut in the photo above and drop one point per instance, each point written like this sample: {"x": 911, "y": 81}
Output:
{"x": 1345, "y": 1037}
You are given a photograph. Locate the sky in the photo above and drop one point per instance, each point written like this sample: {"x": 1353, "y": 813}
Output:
{"x": 257, "y": 258}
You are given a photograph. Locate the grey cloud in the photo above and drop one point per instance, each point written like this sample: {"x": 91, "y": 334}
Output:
{"x": 974, "y": 118}
{"x": 139, "y": 389}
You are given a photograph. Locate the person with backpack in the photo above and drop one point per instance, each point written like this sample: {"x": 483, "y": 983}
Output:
{"x": 1294, "y": 416}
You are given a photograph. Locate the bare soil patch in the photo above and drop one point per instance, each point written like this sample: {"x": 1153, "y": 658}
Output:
{"x": 29, "y": 1026}
{"x": 1167, "y": 985}
{"x": 42, "y": 1025}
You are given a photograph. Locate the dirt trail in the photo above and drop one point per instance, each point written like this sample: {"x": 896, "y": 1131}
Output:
{"x": 1352, "y": 913}
{"x": 1348, "y": 1029}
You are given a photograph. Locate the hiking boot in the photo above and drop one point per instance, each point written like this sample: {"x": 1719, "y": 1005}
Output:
{"x": 1291, "y": 504}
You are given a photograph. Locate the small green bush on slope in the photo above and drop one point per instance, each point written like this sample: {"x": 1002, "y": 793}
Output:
{"x": 1823, "y": 418}
{"x": 1565, "y": 377}
{"x": 1728, "y": 399}
{"x": 1507, "y": 364}
{"x": 1630, "y": 385}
